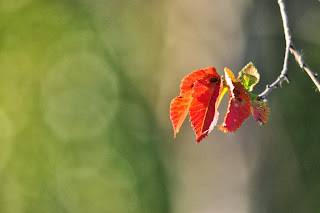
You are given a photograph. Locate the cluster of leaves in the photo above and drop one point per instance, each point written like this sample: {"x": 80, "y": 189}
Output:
{"x": 202, "y": 92}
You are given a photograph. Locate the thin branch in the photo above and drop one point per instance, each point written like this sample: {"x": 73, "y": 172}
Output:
{"x": 303, "y": 65}
{"x": 289, "y": 48}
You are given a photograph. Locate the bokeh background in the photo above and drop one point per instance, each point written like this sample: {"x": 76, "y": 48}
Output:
{"x": 85, "y": 88}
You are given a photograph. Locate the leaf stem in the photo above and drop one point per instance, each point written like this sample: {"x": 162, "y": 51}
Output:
{"x": 289, "y": 48}
{"x": 224, "y": 91}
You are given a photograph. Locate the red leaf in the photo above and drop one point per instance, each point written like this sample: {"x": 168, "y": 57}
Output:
{"x": 179, "y": 109}
{"x": 239, "y": 104}
{"x": 179, "y": 106}
{"x": 260, "y": 111}
{"x": 203, "y": 109}
{"x": 187, "y": 82}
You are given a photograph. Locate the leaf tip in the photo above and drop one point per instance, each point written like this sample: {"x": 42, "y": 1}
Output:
{"x": 223, "y": 128}
{"x": 202, "y": 136}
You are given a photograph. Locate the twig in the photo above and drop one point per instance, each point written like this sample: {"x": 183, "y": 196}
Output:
{"x": 303, "y": 65}
{"x": 289, "y": 48}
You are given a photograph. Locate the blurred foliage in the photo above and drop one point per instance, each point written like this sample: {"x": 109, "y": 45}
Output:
{"x": 76, "y": 133}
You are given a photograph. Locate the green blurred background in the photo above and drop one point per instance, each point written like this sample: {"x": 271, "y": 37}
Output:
{"x": 85, "y": 88}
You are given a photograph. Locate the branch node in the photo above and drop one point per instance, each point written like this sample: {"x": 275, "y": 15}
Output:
{"x": 287, "y": 78}
{"x": 292, "y": 47}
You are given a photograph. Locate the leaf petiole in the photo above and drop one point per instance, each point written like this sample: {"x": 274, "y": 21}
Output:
{"x": 224, "y": 91}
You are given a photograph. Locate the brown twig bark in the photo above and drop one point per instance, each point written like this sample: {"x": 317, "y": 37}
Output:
{"x": 289, "y": 48}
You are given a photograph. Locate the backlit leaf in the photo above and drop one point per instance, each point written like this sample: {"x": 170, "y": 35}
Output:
{"x": 249, "y": 77}
{"x": 203, "y": 109}
{"x": 260, "y": 111}
{"x": 179, "y": 109}
{"x": 179, "y": 106}
{"x": 239, "y": 104}
{"x": 200, "y": 96}
{"x": 187, "y": 82}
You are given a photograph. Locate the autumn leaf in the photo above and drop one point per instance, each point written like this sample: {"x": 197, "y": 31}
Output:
{"x": 249, "y": 77}
{"x": 179, "y": 109}
{"x": 203, "y": 109}
{"x": 260, "y": 111}
{"x": 238, "y": 106}
{"x": 179, "y": 106}
{"x": 187, "y": 82}
{"x": 200, "y": 96}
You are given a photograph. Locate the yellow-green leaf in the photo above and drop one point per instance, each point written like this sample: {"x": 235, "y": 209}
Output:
{"x": 249, "y": 76}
